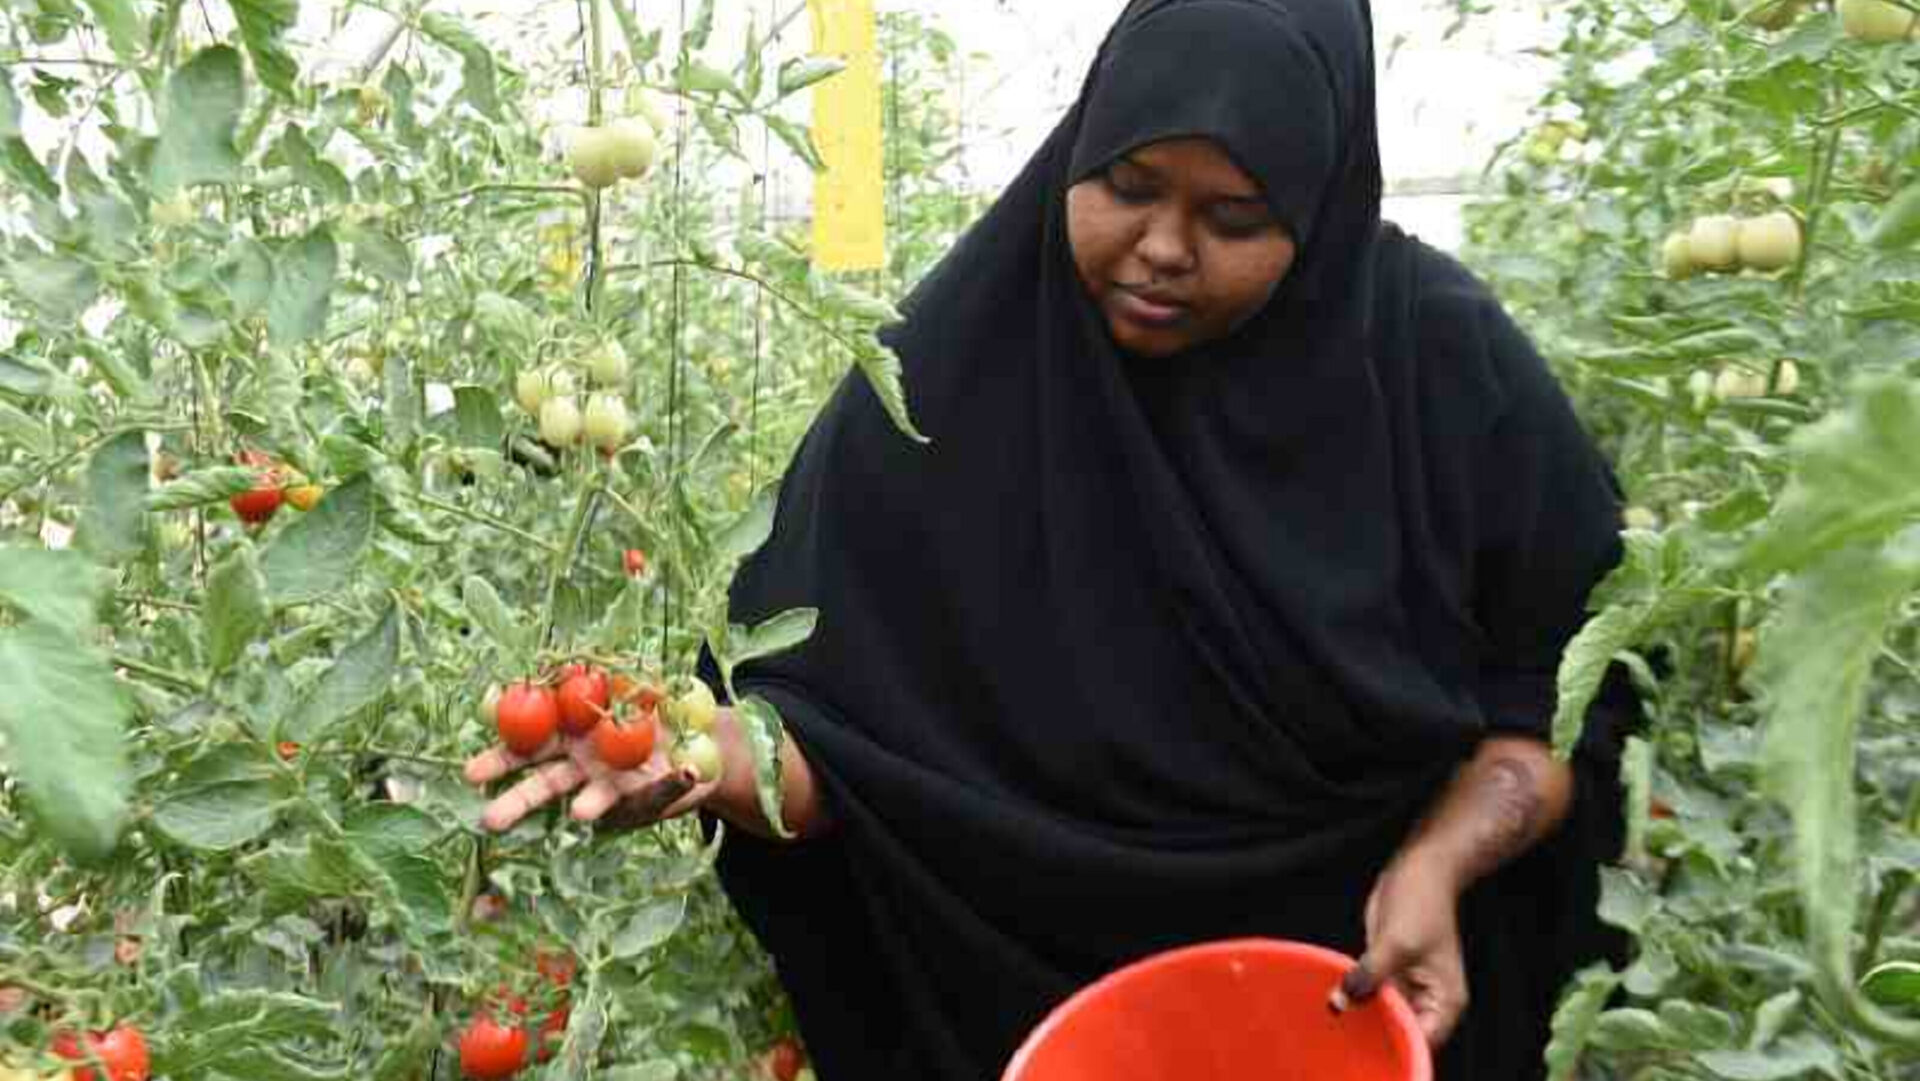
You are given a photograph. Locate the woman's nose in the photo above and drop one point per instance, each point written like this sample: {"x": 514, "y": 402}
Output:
{"x": 1164, "y": 245}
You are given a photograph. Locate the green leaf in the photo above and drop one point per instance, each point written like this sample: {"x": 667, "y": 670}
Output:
{"x": 9, "y": 111}
{"x": 648, "y": 928}
{"x": 1625, "y": 901}
{"x": 121, "y": 20}
{"x": 310, "y": 169}
{"x": 404, "y": 410}
{"x": 218, "y": 817}
{"x": 1635, "y": 1030}
{"x": 379, "y": 254}
{"x": 290, "y": 879}
{"x": 642, "y": 46}
{"x": 1772, "y": 1017}
{"x": 355, "y": 681}
{"x": 484, "y": 605}
{"x": 695, "y": 77}
{"x": 202, "y": 487}
{"x": 477, "y": 73}
{"x": 320, "y": 553}
{"x": 882, "y": 369}
{"x": 1853, "y": 479}
{"x": 1899, "y": 223}
{"x": 29, "y": 433}
{"x": 799, "y": 139}
{"x": 776, "y": 635}
{"x": 507, "y": 321}
{"x": 1584, "y": 666}
{"x": 700, "y": 30}
{"x": 61, "y": 287}
{"x": 197, "y": 126}
{"x": 1795, "y": 1056}
{"x": 1895, "y": 984}
{"x": 28, "y": 380}
{"x": 19, "y": 162}
{"x": 111, "y": 530}
{"x": 63, "y": 719}
{"x": 801, "y": 72}
{"x": 302, "y": 290}
{"x": 236, "y": 609}
{"x": 58, "y": 588}
{"x": 476, "y": 417}
{"x": 764, "y": 731}
{"x": 1812, "y": 673}
{"x": 245, "y": 271}
{"x": 239, "y": 1034}
{"x": 262, "y": 24}
{"x": 1576, "y": 1016}
{"x": 748, "y": 532}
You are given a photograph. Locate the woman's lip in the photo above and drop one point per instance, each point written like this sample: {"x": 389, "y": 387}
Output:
{"x": 1141, "y": 310}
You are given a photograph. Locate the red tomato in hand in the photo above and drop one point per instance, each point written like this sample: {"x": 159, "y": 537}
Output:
{"x": 583, "y": 700}
{"x": 258, "y": 504}
{"x": 123, "y": 1052}
{"x": 527, "y": 717}
{"x": 491, "y": 1051}
{"x": 786, "y": 1059}
{"x": 626, "y": 746}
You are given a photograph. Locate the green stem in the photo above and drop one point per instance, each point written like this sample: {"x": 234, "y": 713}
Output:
{"x": 522, "y": 189}
{"x": 1827, "y": 154}
{"x": 159, "y": 675}
{"x": 158, "y": 602}
{"x": 485, "y": 519}
{"x": 562, "y": 561}
{"x": 748, "y": 276}
{"x": 596, "y": 241}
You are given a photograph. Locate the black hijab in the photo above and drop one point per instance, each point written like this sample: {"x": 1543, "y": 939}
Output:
{"x": 1145, "y": 652}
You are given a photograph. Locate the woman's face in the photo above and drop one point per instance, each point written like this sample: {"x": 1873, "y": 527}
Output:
{"x": 1176, "y": 246}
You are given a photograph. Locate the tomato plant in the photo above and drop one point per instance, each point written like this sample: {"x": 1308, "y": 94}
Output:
{"x": 1766, "y": 603}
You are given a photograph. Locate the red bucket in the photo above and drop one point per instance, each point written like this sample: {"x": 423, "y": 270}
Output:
{"x": 1239, "y": 1010}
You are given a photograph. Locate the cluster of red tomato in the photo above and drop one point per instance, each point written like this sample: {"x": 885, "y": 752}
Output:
{"x": 491, "y": 1050}
{"x": 580, "y": 702}
{"x": 122, "y": 1052}
{"x": 270, "y": 488}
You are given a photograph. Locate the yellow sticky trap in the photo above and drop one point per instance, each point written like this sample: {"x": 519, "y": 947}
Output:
{"x": 849, "y": 197}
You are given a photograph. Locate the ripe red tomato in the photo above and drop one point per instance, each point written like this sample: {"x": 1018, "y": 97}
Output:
{"x": 558, "y": 966}
{"x": 491, "y": 1051}
{"x": 626, "y": 746}
{"x": 527, "y": 717}
{"x": 552, "y": 1031}
{"x": 259, "y": 503}
{"x": 786, "y": 1059}
{"x": 123, "y": 1052}
{"x": 583, "y": 700}
{"x": 635, "y": 562}
{"x": 289, "y": 750}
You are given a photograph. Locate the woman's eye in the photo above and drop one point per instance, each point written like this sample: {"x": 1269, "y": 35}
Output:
{"x": 1241, "y": 223}
{"x": 1129, "y": 191}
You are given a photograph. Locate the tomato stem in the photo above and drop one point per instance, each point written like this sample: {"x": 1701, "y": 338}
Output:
{"x": 158, "y": 674}
{"x": 485, "y": 519}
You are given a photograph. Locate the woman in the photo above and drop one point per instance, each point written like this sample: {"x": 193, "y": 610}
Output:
{"x": 1227, "y": 599}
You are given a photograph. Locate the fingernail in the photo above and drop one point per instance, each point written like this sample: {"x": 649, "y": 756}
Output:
{"x": 1337, "y": 1002}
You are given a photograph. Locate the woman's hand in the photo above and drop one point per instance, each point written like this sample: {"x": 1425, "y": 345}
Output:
{"x": 1413, "y": 943}
{"x": 612, "y": 798}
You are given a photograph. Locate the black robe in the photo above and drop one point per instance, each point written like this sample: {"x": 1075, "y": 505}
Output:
{"x": 1140, "y": 653}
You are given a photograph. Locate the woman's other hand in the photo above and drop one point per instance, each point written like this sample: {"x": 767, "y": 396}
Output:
{"x": 1413, "y": 943}
{"x": 612, "y": 798}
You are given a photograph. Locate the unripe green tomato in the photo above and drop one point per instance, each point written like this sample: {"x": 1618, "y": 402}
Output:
{"x": 1676, "y": 256}
{"x": 1875, "y": 22}
{"x": 633, "y": 147}
{"x": 594, "y": 156}
{"x": 702, "y": 755}
{"x": 1700, "y": 388}
{"x": 1737, "y": 382}
{"x": 1714, "y": 242}
{"x": 1786, "y": 378}
{"x": 607, "y": 421}
{"x": 175, "y": 212}
{"x": 608, "y": 364}
{"x": 1769, "y": 242}
{"x": 1641, "y": 518}
{"x": 696, "y": 709}
{"x": 560, "y": 422}
{"x": 530, "y": 389}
